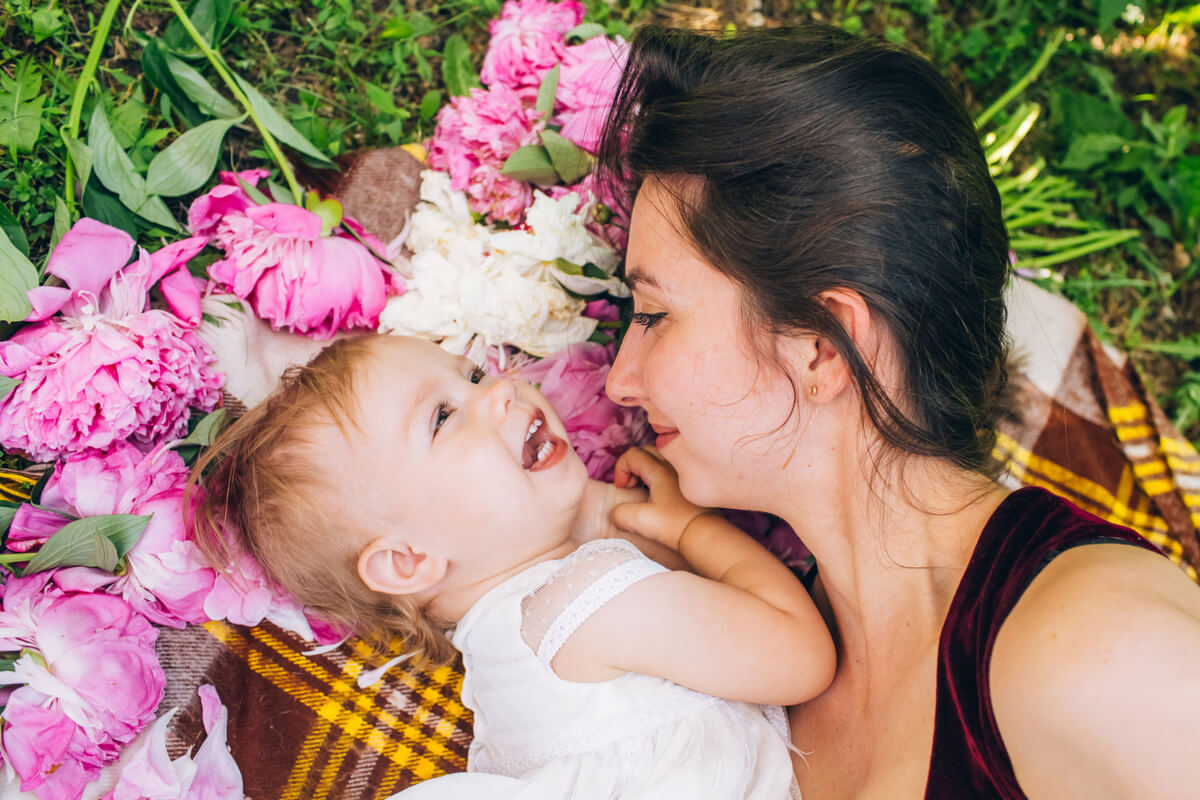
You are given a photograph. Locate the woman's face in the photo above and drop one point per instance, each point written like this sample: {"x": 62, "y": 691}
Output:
{"x": 726, "y": 417}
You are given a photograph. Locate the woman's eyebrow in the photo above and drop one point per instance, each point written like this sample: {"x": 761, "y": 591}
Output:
{"x": 635, "y": 277}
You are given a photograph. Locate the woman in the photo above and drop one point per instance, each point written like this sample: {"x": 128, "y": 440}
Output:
{"x": 817, "y": 258}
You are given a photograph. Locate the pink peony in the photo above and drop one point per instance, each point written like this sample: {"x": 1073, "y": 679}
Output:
{"x": 293, "y": 276}
{"x": 498, "y": 197}
{"x": 527, "y": 41}
{"x": 572, "y": 380}
{"x": 88, "y": 680}
{"x": 98, "y": 366}
{"x": 211, "y": 774}
{"x": 474, "y": 136}
{"x": 227, "y": 197}
{"x": 586, "y": 86}
{"x": 166, "y": 577}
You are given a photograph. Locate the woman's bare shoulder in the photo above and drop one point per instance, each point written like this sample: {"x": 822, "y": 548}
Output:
{"x": 1094, "y": 677}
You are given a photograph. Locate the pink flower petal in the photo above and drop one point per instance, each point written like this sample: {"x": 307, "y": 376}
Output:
{"x": 47, "y": 300}
{"x": 89, "y": 254}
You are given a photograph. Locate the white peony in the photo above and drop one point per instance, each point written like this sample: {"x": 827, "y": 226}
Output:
{"x": 466, "y": 280}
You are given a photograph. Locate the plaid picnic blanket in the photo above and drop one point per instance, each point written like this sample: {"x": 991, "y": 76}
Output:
{"x": 301, "y": 727}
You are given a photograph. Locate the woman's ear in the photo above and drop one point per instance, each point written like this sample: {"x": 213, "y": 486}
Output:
{"x": 822, "y": 370}
{"x": 395, "y": 567}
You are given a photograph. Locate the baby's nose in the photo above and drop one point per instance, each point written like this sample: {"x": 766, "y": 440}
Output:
{"x": 500, "y": 395}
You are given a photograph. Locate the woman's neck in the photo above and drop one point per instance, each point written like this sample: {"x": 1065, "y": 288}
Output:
{"x": 891, "y": 548}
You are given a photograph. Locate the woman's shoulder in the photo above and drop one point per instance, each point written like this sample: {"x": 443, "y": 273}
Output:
{"x": 1093, "y": 673}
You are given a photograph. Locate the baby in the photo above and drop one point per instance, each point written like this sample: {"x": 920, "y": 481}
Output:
{"x": 397, "y": 490}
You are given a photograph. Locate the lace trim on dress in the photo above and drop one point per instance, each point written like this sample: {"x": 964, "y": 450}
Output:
{"x": 591, "y": 576}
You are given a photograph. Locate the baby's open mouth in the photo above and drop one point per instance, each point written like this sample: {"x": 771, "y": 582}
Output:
{"x": 542, "y": 448}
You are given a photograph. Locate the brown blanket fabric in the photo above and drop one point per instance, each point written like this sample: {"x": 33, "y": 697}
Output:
{"x": 301, "y": 728}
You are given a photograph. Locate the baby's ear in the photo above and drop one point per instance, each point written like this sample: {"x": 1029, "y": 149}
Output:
{"x": 392, "y": 566}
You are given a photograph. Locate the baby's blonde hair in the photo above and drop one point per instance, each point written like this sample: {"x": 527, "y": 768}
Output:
{"x": 267, "y": 492}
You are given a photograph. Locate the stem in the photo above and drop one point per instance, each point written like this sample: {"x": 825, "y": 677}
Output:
{"x": 1025, "y": 80}
{"x": 218, "y": 63}
{"x": 99, "y": 37}
{"x": 16, "y": 558}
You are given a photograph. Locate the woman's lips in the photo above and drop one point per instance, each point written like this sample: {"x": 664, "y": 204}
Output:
{"x": 665, "y": 435}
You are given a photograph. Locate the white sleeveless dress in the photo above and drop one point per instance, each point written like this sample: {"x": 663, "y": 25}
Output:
{"x": 634, "y": 737}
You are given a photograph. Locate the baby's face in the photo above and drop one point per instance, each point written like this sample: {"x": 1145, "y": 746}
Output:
{"x": 475, "y": 466}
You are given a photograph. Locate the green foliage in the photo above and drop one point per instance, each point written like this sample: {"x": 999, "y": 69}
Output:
{"x": 1097, "y": 159}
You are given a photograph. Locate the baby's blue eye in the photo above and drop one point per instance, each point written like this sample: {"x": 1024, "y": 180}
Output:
{"x": 440, "y": 415}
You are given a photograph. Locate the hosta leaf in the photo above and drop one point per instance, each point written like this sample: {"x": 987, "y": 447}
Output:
{"x": 457, "y": 71}
{"x": 199, "y": 90}
{"x": 100, "y": 541}
{"x": 186, "y": 164}
{"x": 17, "y": 276}
{"x": 531, "y": 163}
{"x": 279, "y": 127}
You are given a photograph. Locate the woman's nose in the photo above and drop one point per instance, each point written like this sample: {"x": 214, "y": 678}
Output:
{"x": 624, "y": 379}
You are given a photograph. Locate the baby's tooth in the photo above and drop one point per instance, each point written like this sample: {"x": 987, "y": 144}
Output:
{"x": 544, "y": 450}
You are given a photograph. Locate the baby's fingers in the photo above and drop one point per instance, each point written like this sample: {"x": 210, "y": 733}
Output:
{"x": 633, "y": 517}
{"x": 636, "y": 464}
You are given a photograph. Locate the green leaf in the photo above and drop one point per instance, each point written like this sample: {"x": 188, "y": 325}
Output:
{"x": 568, "y": 267}
{"x": 547, "y": 92}
{"x": 570, "y": 161}
{"x": 199, "y": 90}
{"x": 117, "y": 173}
{"x": 12, "y": 229}
{"x": 585, "y": 30}
{"x": 253, "y": 191}
{"x": 188, "y": 162}
{"x": 47, "y": 21}
{"x": 81, "y": 156}
{"x": 1090, "y": 149}
{"x": 7, "y": 512}
{"x": 210, "y": 17}
{"x": 397, "y": 27}
{"x": 100, "y": 204}
{"x": 99, "y": 541}
{"x": 384, "y": 102}
{"x": 206, "y": 430}
{"x": 62, "y": 222}
{"x": 531, "y": 163}
{"x": 457, "y": 71}
{"x": 127, "y": 121}
{"x": 21, "y": 107}
{"x": 157, "y": 70}
{"x": 17, "y": 276}
{"x": 280, "y": 194}
{"x": 1108, "y": 12}
{"x": 430, "y": 103}
{"x": 279, "y": 127}
{"x": 7, "y": 385}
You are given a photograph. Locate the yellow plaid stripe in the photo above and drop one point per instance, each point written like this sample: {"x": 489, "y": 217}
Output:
{"x": 416, "y": 742}
{"x": 16, "y": 487}
{"x": 1033, "y": 470}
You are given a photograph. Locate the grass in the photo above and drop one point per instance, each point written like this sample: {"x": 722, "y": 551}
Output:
{"x": 1120, "y": 115}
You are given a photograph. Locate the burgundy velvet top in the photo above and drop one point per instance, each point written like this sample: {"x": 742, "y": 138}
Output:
{"x": 1027, "y": 530}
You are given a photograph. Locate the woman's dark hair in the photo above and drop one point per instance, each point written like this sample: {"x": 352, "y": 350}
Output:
{"x": 814, "y": 160}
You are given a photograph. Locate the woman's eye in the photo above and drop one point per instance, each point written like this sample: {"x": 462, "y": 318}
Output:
{"x": 647, "y": 320}
{"x": 476, "y": 375}
{"x": 440, "y": 415}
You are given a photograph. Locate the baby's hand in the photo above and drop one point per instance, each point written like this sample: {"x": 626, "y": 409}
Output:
{"x": 594, "y": 520}
{"x": 666, "y": 514}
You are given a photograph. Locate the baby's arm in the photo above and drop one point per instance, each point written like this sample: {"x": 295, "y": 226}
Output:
{"x": 743, "y": 627}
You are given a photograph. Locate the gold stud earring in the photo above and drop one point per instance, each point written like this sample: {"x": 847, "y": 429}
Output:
{"x": 813, "y": 390}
